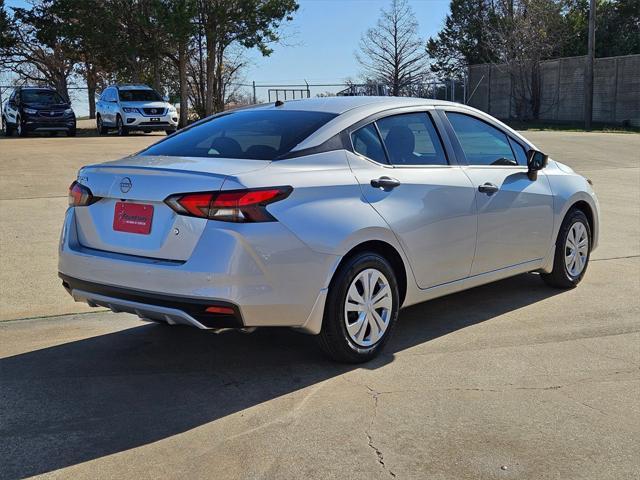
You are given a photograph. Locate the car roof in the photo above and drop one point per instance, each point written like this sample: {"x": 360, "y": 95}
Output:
{"x": 35, "y": 88}
{"x": 132, "y": 87}
{"x": 340, "y": 105}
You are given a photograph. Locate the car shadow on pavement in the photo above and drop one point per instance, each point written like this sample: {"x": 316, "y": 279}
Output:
{"x": 83, "y": 400}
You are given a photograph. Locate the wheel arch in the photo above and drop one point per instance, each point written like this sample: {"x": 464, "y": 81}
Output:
{"x": 585, "y": 208}
{"x": 389, "y": 253}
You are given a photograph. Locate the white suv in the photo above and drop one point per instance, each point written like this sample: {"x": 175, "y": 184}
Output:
{"x": 134, "y": 107}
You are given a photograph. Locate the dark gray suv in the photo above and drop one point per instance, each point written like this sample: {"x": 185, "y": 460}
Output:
{"x": 37, "y": 109}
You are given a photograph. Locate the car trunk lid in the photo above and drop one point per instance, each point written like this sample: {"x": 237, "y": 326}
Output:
{"x": 141, "y": 184}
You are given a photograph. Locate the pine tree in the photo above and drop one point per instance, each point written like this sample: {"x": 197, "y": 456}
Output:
{"x": 466, "y": 39}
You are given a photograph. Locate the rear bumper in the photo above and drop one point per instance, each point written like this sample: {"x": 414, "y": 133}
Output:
{"x": 152, "y": 306}
{"x": 262, "y": 270}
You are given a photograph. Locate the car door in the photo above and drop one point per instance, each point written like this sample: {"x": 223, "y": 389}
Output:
{"x": 106, "y": 106}
{"x": 515, "y": 213}
{"x": 100, "y": 105}
{"x": 428, "y": 201}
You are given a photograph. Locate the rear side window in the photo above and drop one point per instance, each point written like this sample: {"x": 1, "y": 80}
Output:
{"x": 249, "y": 134}
{"x": 366, "y": 141}
{"x": 482, "y": 144}
{"x": 411, "y": 139}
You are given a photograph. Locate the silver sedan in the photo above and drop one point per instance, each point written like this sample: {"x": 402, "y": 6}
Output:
{"x": 326, "y": 215}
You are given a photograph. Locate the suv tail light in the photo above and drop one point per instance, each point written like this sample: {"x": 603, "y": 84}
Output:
{"x": 230, "y": 205}
{"x": 80, "y": 196}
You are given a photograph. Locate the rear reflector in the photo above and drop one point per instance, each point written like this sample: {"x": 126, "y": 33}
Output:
{"x": 231, "y": 205}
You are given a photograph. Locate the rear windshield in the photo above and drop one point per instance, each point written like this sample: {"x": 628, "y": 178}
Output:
{"x": 139, "y": 96}
{"x": 46, "y": 97}
{"x": 249, "y": 134}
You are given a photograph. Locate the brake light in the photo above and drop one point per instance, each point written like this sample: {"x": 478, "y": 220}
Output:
{"x": 80, "y": 196}
{"x": 216, "y": 310}
{"x": 231, "y": 205}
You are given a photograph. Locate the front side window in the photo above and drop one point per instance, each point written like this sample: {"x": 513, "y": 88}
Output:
{"x": 142, "y": 95}
{"x": 41, "y": 97}
{"x": 249, "y": 134}
{"x": 366, "y": 141}
{"x": 519, "y": 151}
{"x": 482, "y": 144}
{"x": 411, "y": 139}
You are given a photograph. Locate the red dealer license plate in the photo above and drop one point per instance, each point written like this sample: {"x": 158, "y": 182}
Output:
{"x": 133, "y": 218}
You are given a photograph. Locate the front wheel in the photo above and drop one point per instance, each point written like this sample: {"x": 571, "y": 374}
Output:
{"x": 6, "y": 128}
{"x": 361, "y": 309}
{"x": 102, "y": 130}
{"x": 20, "y": 129}
{"x": 573, "y": 249}
{"x": 122, "y": 130}
{"x": 170, "y": 132}
{"x": 71, "y": 132}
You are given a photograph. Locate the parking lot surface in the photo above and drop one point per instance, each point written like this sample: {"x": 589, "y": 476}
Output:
{"x": 508, "y": 380}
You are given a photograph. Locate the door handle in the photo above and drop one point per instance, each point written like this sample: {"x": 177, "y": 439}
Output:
{"x": 488, "y": 188}
{"x": 385, "y": 183}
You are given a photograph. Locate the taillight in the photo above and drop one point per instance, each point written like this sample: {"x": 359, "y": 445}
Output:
{"x": 80, "y": 196}
{"x": 230, "y": 205}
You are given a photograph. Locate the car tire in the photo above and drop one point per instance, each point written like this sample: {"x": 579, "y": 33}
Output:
{"x": 122, "y": 130}
{"x": 71, "y": 132}
{"x": 21, "y": 130}
{"x": 351, "y": 333}
{"x": 170, "y": 132}
{"x": 6, "y": 128}
{"x": 102, "y": 130}
{"x": 573, "y": 250}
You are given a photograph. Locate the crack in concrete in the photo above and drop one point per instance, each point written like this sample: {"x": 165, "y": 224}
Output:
{"x": 614, "y": 258}
{"x": 379, "y": 455}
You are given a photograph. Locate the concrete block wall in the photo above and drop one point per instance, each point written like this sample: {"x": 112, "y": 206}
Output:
{"x": 616, "y": 90}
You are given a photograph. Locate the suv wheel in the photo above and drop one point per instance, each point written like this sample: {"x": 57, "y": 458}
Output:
{"x": 361, "y": 309}
{"x": 573, "y": 249}
{"x": 102, "y": 130}
{"x": 122, "y": 130}
{"x": 20, "y": 129}
{"x": 6, "y": 128}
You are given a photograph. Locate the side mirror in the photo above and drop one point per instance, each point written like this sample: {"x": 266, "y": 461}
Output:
{"x": 166, "y": 98}
{"x": 536, "y": 160}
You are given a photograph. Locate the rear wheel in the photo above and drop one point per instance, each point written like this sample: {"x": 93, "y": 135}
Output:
{"x": 361, "y": 309}
{"x": 573, "y": 249}
{"x": 122, "y": 130}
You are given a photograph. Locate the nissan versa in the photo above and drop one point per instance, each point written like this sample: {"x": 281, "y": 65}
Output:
{"x": 327, "y": 215}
